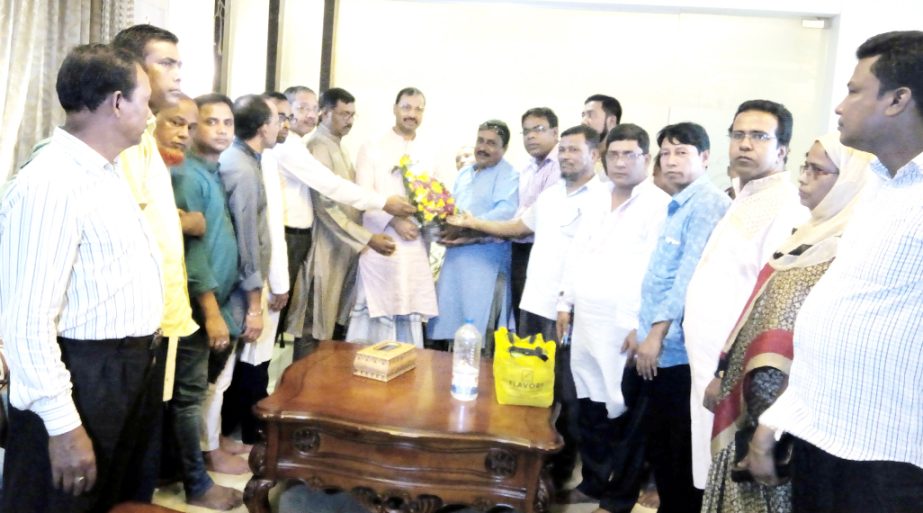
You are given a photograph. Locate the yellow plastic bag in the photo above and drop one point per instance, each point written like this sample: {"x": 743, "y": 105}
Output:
{"x": 523, "y": 369}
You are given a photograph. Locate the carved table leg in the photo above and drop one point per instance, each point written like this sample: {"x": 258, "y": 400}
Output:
{"x": 543, "y": 494}
{"x": 256, "y": 494}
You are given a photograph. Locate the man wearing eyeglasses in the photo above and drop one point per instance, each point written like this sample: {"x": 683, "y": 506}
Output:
{"x": 338, "y": 234}
{"x": 601, "y": 294}
{"x": 762, "y": 215}
{"x": 540, "y": 137}
{"x": 394, "y": 293}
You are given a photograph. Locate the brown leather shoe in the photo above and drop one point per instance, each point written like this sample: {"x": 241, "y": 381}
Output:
{"x": 573, "y": 496}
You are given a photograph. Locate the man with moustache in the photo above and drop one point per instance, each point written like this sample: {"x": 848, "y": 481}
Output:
{"x": 760, "y": 218}
{"x": 601, "y": 293}
{"x": 338, "y": 235}
{"x": 212, "y": 264}
{"x": 853, "y": 401}
{"x": 173, "y": 133}
{"x": 81, "y": 298}
{"x": 540, "y": 137}
{"x": 301, "y": 173}
{"x": 149, "y": 179}
{"x": 474, "y": 280}
{"x": 554, "y": 218}
{"x": 393, "y": 296}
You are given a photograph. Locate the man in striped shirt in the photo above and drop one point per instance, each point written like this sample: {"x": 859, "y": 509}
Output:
{"x": 854, "y": 401}
{"x": 81, "y": 298}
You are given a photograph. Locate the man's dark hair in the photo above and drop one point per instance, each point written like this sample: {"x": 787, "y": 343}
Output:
{"x": 409, "y": 91}
{"x": 589, "y": 134}
{"x": 610, "y": 105}
{"x": 629, "y": 132}
{"x": 331, "y": 97}
{"x": 135, "y": 38}
{"x": 899, "y": 64}
{"x": 499, "y": 127}
{"x": 250, "y": 113}
{"x": 90, "y": 73}
{"x": 275, "y": 95}
{"x": 542, "y": 112}
{"x": 210, "y": 98}
{"x": 784, "y": 120}
{"x": 294, "y": 90}
{"x": 685, "y": 133}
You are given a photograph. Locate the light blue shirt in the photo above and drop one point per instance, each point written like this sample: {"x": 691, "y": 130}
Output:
{"x": 468, "y": 278}
{"x": 691, "y": 216}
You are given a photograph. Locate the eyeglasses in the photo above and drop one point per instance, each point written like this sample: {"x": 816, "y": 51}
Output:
{"x": 410, "y": 108}
{"x": 283, "y": 118}
{"x": 627, "y": 156}
{"x": 813, "y": 171}
{"x": 757, "y": 137}
{"x": 537, "y": 129}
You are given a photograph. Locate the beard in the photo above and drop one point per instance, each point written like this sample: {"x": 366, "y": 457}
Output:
{"x": 171, "y": 156}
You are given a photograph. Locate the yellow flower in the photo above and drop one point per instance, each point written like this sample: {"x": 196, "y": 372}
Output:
{"x": 437, "y": 187}
{"x": 405, "y": 161}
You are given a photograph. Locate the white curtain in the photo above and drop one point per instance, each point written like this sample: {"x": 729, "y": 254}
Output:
{"x": 35, "y": 35}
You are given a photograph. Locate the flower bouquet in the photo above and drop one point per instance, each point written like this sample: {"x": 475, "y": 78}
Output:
{"x": 431, "y": 197}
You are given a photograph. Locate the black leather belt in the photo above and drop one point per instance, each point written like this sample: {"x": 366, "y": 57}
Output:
{"x": 149, "y": 342}
{"x": 297, "y": 231}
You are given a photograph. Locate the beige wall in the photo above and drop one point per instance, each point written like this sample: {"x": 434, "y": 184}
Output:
{"x": 666, "y": 61}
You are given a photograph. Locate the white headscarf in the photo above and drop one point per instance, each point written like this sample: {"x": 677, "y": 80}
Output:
{"x": 828, "y": 219}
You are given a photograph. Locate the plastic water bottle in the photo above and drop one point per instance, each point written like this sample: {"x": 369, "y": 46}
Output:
{"x": 466, "y": 362}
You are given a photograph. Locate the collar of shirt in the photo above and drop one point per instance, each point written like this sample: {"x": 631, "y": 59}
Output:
{"x": 908, "y": 173}
{"x": 82, "y": 153}
{"x": 211, "y": 167}
{"x": 321, "y": 131}
{"x": 247, "y": 149}
{"x": 762, "y": 184}
{"x": 590, "y": 184}
{"x": 536, "y": 165}
{"x": 683, "y": 196}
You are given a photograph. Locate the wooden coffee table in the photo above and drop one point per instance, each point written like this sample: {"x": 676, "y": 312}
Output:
{"x": 405, "y": 445}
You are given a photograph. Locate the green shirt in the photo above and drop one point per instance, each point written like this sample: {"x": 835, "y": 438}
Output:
{"x": 211, "y": 260}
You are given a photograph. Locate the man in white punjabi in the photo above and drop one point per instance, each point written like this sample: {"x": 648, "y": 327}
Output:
{"x": 601, "y": 295}
{"x": 394, "y": 293}
{"x": 760, "y": 218}
{"x": 81, "y": 297}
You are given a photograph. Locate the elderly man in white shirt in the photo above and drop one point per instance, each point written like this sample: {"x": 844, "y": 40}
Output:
{"x": 81, "y": 297}
{"x": 761, "y": 217}
{"x": 300, "y": 172}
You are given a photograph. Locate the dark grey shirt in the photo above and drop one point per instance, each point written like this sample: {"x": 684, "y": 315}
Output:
{"x": 243, "y": 180}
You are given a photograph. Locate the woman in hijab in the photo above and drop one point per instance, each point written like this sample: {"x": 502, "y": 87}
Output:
{"x": 754, "y": 365}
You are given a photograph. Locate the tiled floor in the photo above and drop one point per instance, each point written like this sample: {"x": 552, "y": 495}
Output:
{"x": 301, "y": 500}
